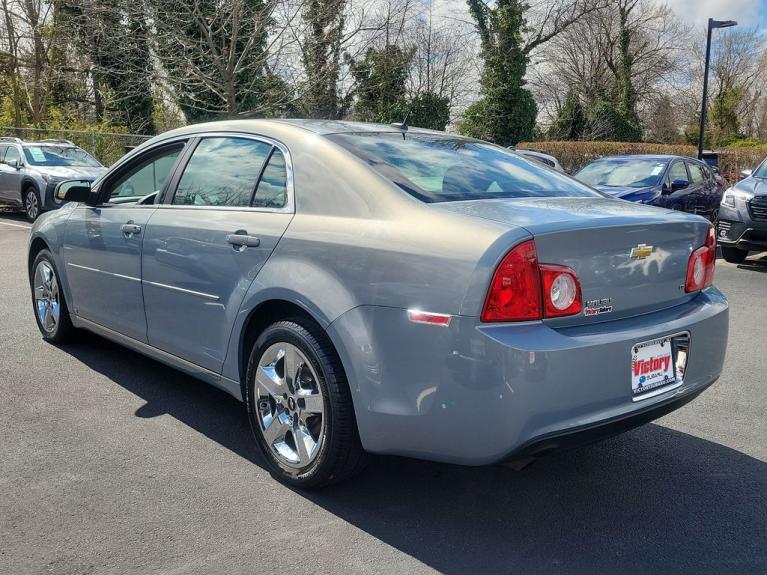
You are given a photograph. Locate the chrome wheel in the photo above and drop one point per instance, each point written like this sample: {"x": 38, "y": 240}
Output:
{"x": 47, "y": 301}
{"x": 290, "y": 408}
{"x": 31, "y": 204}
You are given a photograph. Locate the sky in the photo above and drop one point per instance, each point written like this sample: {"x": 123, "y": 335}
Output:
{"x": 748, "y": 13}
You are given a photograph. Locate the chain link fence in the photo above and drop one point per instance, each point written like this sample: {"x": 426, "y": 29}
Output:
{"x": 107, "y": 147}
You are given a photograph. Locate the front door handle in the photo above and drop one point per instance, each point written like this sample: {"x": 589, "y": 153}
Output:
{"x": 243, "y": 241}
{"x": 130, "y": 229}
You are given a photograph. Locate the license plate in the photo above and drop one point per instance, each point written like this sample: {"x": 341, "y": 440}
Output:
{"x": 652, "y": 366}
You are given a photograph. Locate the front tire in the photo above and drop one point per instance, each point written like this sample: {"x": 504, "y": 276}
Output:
{"x": 734, "y": 255}
{"x": 300, "y": 407}
{"x": 32, "y": 205}
{"x": 48, "y": 302}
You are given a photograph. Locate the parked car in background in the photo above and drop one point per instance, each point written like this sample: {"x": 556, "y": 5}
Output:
{"x": 540, "y": 157}
{"x": 369, "y": 288}
{"x": 743, "y": 216}
{"x": 674, "y": 182}
{"x": 29, "y": 172}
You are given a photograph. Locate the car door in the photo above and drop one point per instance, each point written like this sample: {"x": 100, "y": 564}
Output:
{"x": 102, "y": 246}
{"x": 206, "y": 244}
{"x": 698, "y": 193}
{"x": 677, "y": 199}
{"x": 10, "y": 177}
{"x": 3, "y": 195}
{"x": 712, "y": 190}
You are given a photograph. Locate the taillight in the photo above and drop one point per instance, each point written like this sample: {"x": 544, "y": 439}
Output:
{"x": 700, "y": 267}
{"x": 515, "y": 292}
{"x": 523, "y": 290}
{"x": 561, "y": 291}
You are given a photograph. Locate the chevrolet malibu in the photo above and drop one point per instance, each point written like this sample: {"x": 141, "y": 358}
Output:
{"x": 378, "y": 289}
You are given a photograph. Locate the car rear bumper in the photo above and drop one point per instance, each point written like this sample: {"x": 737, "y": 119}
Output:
{"x": 588, "y": 434}
{"x": 476, "y": 393}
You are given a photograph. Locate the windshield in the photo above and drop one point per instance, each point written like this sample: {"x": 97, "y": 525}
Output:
{"x": 623, "y": 173}
{"x": 761, "y": 171}
{"x": 59, "y": 155}
{"x": 443, "y": 168}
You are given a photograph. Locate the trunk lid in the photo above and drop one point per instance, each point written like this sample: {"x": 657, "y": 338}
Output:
{"x": 595, "y": 237}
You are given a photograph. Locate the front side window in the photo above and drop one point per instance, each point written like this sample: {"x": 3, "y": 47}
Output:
{"x": 443, "y": 168}
{"x": 12, "y": 154}
{"x": 222, "y": 172}
{"x": 146, "y": 178}
{"x": 677, "y": 172}
{"x": 622, "y": 173}
{"x": 272, "y": 191}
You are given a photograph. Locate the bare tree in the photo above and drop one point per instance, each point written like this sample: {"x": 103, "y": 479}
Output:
{"x": 29, "y": 33}
{"x": 217, "y": 57}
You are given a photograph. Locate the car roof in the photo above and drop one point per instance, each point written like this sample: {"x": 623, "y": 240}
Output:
{"x": 658, "y": 157}
{"x": 50, "y": 143}
{"x": 320, "y": 127}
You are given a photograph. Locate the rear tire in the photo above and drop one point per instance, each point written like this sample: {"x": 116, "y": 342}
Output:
{"x": 48, "y": 302}
{"x": 32, "y": 205}
{"x": 734, "y": 255}
{"x": 302, "y": 395}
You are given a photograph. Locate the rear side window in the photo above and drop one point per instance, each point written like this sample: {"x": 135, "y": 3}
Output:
{"x": 696, "y": 173}
{"x": 272, "y": 191}
{"x": 443, "y": 168}
{"x": 222, "y": 172}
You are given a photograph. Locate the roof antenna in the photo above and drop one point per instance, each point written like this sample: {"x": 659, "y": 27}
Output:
{"x": 403, "y": 124}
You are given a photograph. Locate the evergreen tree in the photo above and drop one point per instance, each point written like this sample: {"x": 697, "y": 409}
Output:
{"x": 428, "y": 110}
{"x": 506, "y": 111}
{"x": 322, "y": 58}
{"x": 628, "y": 128}
{"x": 380, "y": 78}
{"x": 570, "y": 123}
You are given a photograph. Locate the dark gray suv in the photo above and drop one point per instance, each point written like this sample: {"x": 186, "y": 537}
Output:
{"x": 29, "y": 172}
{"x": 743, "y": 216}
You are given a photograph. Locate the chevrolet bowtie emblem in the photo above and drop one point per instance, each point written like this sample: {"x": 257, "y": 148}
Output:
{"x": 641, "y": 251}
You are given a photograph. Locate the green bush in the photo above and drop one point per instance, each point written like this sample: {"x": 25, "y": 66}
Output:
{"x": 574, "y": 155}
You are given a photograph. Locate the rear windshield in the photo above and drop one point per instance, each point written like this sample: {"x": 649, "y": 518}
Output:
{"x": 436, "y": 168}
{"x": 59, "y": 155}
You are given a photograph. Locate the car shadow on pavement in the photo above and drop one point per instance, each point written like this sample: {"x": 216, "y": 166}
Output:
{"x": 653, "y": 500}
{"x": 758, "y": 264}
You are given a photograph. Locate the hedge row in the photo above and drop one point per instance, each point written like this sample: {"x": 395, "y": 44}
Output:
{"x": 574, "y": 155}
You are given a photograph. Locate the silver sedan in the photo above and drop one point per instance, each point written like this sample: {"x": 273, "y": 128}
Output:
{"x": 378, "y": 289}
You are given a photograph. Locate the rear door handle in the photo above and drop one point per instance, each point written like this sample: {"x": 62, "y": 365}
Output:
{"x": 129, "y": 229}
{"x": 243, "y": 240}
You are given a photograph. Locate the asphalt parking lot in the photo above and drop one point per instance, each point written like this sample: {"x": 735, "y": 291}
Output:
{"x": 113, "y": 463}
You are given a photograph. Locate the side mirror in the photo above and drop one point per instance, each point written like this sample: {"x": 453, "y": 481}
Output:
{"x": 745, "y": 173}
{"x": 679, "y": 184}
{"x": 14, "y": 163}
{"x": 74, "y": 191}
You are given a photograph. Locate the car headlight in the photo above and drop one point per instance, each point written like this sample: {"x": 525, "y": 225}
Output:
{"x": 728, "y": 199}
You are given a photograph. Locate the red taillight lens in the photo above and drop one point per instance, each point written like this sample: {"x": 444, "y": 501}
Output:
{"x": 700, "y": 268}
{"x": 515, "y": 292}
{"x": 561, "y": 291}
{"x": 522, "y": 290}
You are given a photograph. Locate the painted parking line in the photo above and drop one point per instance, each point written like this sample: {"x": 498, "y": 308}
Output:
{"x": 15, "y": 225}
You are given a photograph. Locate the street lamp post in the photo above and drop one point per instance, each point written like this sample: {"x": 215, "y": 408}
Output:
{"x": 711, "y": 25}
